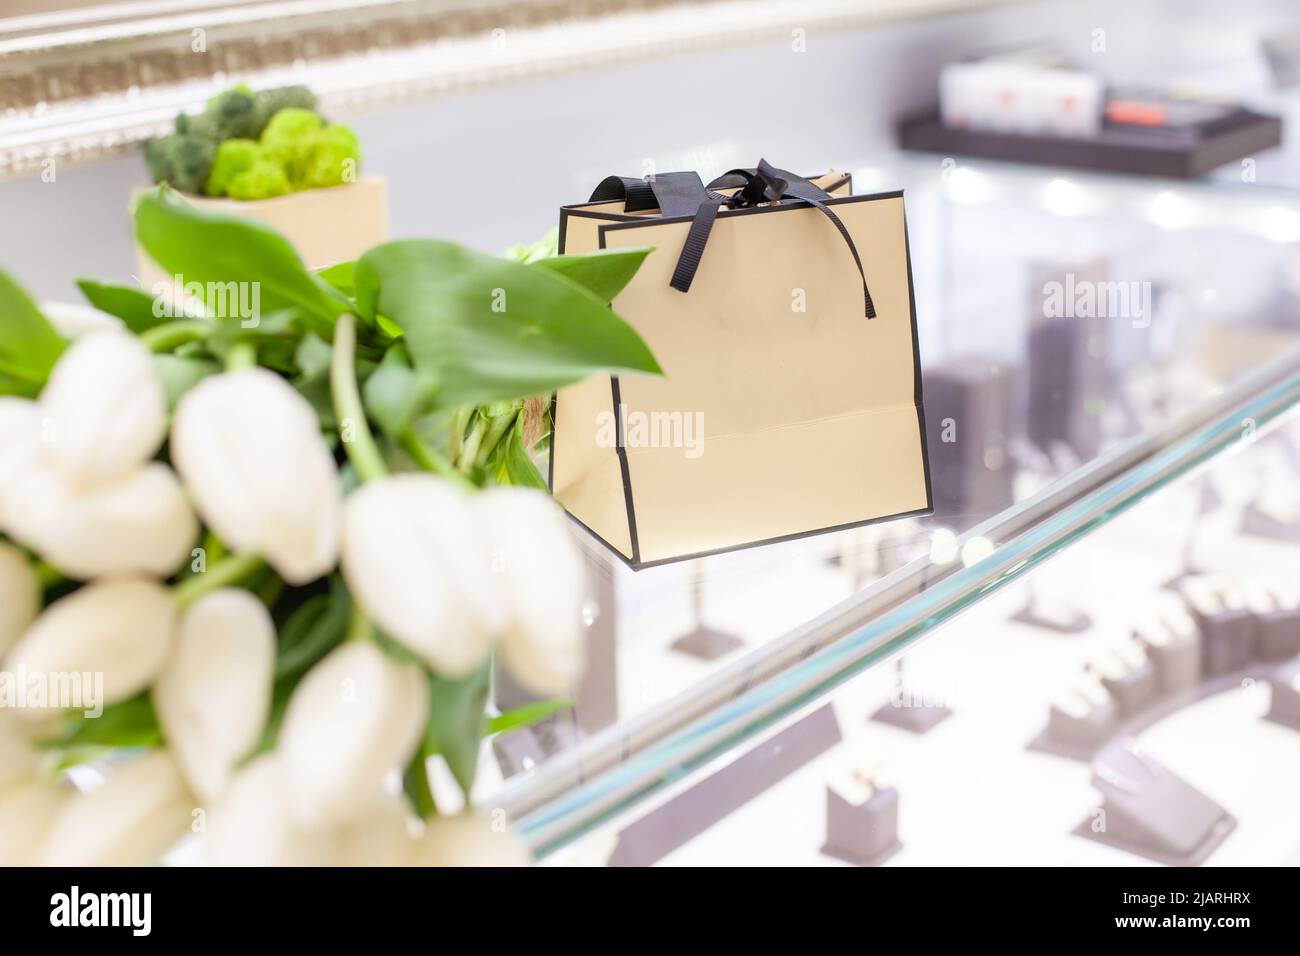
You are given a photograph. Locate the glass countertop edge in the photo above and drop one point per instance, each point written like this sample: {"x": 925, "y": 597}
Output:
{"x": 1215, "y": 425}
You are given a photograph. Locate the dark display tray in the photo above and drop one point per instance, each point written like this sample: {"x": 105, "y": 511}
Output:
{"x": 1147, "y": 151}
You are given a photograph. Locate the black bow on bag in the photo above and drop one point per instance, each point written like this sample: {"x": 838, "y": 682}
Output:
{"x": 684, "y": 194}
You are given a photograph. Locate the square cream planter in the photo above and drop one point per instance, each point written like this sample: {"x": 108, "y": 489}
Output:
{"x": 326, "y": 226}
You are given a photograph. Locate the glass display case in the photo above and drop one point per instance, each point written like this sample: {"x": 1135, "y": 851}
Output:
{"x": 1110, "y": 365}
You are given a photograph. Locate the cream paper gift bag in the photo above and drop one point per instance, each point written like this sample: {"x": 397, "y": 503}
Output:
{"x": 781, "y": 311}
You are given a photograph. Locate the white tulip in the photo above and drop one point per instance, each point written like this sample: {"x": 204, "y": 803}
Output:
{"x": 20, "y": 595}
{"x": 130, "y": 820}
{"x": 103, "y": 410}
{"x": 18, "y": 758}
{"x": 379, "y": 836}
{"x": 469, "y": 840}
{"x": 249, "y": 449}
{"x": 413, "y": 559}
{"x": 355, "y": 717}
{"x": 542, "y": 580}
{"x": 214, "y": 694}
{"x": 250, "y": 825}
{"x": 27, "y": 811}
{"x": 119, "y": 627}
{"x": 139, "y": 524}
{"x": 73, "y": 320}
{"x": 19, "y": 444}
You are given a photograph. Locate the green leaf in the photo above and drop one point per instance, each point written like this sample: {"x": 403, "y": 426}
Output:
{"x": 527, "y": 715}
{"x": 215, "y": 247}
{"x": 133, "y": 305}
{"x": 395, "y": 394}
{"x": 546, "y": 246}
{"x": 457, "y": 722}
{"x": 281, "y": 691}
{"x": 313, "y": 356}
{"x": 489, "y": 329}
{"x": 339, "y": 276}
{"x": 415, "y": 782}
{"x": 313, "y": 381}
{"x": 604, "y": 273}
{"x": 128, "y": 723}
{"x": 179, "y": 374}
{"x": 519, "y": 464}
{"x": 29, "y": 344}
{"x": 312, "y": 631}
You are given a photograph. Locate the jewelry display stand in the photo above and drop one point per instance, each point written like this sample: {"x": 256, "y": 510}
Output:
{"x": 1149, "y": 811}
{"x": 1055, "y": 615}
{"x": 1077, "y": 732}
{"x": 1066, "y": 373}
{"x": 918, "y": 718}
{"x": 693, "y": 811}
{"x": 703, "y": 642}
{"x": 1275, "y": 512}
{"x": 1285, "y": 706}
{"x": 969, "y": 410}
{"x": 862, "y": 824}
{"x": 1227, "y": 627}
{"x": 1130, "y": 677}
{"x": 1173, "y": 646}
{"x": 517, "y": 752}
{"x": 1207, "y": 500}
{"x": 1079, "y": 722}
{"x": 1277, "y": 624}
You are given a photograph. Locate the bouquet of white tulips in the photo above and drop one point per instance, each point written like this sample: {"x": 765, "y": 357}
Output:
{"x": 263, "y": 533}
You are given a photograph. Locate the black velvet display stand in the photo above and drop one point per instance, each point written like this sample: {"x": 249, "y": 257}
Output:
{"x": 693, "y": 811}
{"x": 866, "y": 833}
{"x": 916, "y": 718}
{"x": 1285, "y": 706}
{"x": 1277, "y": 634}
{"x": 704, "y": 642}
{"x": 1227, "y": 640}
{"x": 1078, "y": 736}
{"x": 1150, "y": 811}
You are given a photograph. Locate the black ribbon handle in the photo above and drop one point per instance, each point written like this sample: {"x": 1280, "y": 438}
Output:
{"x": 673, "y": 194}
{"x": 684, "y": 194}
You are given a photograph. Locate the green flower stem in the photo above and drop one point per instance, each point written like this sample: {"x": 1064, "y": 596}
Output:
{"x": 241, "y": 355}
{"x": 348, "y": 410}
{"x": 469, "y": 450}
{"x": 214, "y": 547}
{"x": 47, "y": 574}
{"x": 227, "y": 571}
{"x": 270, "y": 592}
{"x": 166, "y": 337}
{"x": 359, "y": 626}
{"x": 495, "y": 431}
{"x": 459, "y": 423}
{"x": 429, "y": 459}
